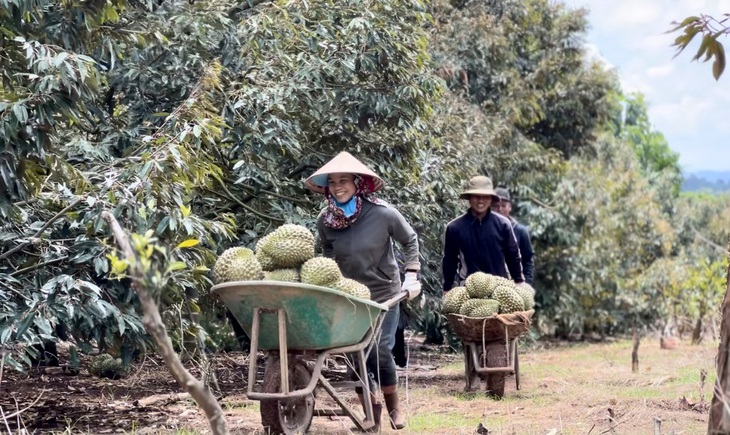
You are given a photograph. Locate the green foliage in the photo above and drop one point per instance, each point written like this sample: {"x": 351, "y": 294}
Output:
{"x": 652, "y": 149}
{"x": 189, "y": 121}
{"x": 606, "y": 229}
{"x": 195, "y": 124}
{"x": 710, "y": 28}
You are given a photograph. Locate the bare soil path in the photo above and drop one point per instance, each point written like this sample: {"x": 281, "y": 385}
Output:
{"x": 566, "y": 389}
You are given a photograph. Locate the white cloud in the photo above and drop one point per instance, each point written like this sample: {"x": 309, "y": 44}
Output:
{"x": 685, "y": 102}
{"x": 660, "y": 71}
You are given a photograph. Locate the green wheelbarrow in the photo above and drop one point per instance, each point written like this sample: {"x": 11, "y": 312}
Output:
{"x": 296, "y": 325}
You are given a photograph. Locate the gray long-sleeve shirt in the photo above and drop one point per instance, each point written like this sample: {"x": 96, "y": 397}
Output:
{"x": 364, "y": 250}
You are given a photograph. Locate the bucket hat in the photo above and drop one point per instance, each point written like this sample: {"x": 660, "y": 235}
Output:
{"x": 503, "y": 194}
{"x": 479, "y": 185}
{"x": 346, "y": 163}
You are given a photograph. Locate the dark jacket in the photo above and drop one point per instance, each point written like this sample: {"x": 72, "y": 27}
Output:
{"x": 486, "y": 245}
{"x": 526, "y": 253}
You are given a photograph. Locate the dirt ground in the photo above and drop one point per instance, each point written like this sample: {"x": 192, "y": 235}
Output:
{"x": 566, "y": 389}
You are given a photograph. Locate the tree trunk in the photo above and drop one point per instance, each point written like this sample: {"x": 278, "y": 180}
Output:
{"x": 719, "y": 422}
{"x": 697, "y": 332}
{"x": 635, "y": 353}
{"x": 156, "y": 329}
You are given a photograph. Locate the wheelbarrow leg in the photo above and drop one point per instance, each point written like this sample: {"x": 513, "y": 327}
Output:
{"x": 516, "y": 356}
{"x": 366, "y": 391}
{"x": 472, "y": 377}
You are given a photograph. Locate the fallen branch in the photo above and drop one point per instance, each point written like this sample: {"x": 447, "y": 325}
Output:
{"x": 152, "y": 322}
{"x": 20, "y": 411}
{"x": 166, "y": 399}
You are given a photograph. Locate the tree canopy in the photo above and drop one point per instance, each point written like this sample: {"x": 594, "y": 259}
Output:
{"x": 195, "y": 124}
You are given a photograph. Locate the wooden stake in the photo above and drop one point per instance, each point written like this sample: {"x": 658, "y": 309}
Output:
{"x": 635, "y": 353}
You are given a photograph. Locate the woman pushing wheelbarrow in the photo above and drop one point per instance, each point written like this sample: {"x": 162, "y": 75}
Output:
{"x": 356, "y": 230}
{"x": 304, "y": 309}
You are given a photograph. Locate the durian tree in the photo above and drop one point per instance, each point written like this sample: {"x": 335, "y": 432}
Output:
{"x": 191, "y": 120}
{"x": 606, "y": 229}
{"x": 501, "y": 119}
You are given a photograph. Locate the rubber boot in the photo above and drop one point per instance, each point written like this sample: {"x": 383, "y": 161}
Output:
{"x": 377, "y": 411}
{"x": 397, "y": 418}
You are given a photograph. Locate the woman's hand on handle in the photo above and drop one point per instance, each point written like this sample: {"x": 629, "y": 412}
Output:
{"x": 412, "y": 285}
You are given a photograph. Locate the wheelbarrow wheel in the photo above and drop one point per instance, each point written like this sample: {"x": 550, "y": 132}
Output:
{"x": 496, "y": 357}
{"x": 286, "y": 417}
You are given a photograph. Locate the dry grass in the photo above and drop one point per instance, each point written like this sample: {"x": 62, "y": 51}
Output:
{"x": 571, "y": 390}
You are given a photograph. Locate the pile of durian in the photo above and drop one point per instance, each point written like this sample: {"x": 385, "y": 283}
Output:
{"x": 286, "y": 254}
{"x": 486, "y": 295}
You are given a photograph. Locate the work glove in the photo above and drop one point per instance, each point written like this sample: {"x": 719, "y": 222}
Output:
{"x": 412, "y": 285}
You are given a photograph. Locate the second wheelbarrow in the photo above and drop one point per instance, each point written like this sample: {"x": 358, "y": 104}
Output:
{"x": 490, "y": 348}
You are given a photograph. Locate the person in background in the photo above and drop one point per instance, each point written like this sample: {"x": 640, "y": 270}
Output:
{"x": 504, "y": 207}
{"x": 357, "y": 230}
{"x": 480, "y": 240}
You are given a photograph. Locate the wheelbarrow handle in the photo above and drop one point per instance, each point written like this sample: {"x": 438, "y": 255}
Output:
{"x": 390, "y": 303}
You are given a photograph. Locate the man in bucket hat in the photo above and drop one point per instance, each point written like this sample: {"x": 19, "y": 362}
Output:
{"x": 479, "y": 240}
{"x": 357, "y": 230}
{"x": 504, "y": 207}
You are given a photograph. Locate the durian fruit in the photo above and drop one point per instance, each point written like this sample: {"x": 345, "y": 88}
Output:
{"x": 289, "y": 246}
{"x": 509, "y": 300}
{"x": 527, "y": 294}
{"x": 479, "y": 285}
{"x": 237, "y": 264}
{"x": 294, "y": 231}
{"x": 267, "y": 263}
{"x": 321, "y": 271}
{"x": 485, "y": 308}
{"x": 470, "y": 305}
{"x": 350, "y": 286}
{"x": 453, "y": 300}
{"x": 288, "y": 275}
{"x": 106, "y": 366}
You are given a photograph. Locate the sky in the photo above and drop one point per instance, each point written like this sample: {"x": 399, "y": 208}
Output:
{"x": 685, "y": 102}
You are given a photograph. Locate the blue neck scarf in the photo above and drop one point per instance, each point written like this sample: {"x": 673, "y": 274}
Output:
{"x": 348, "y": 207}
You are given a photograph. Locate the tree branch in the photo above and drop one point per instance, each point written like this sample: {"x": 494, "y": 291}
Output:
{"x": 708, "y": 241}
{"x": 153, "y": 324}
{"x": 42, "y": 230}
{"x": 39, "y": 265}
{"x": 247, "y": 208}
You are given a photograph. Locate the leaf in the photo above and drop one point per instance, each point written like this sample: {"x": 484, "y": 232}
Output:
{"x": 60, "y": 58}
{"x": 21, "y": 113}
{"x": 162, "y": 225}
{"x": 718, "y": 66}
{"x": 176, "y": 265}
{"x": 188, "y": 243}
{"x": 185, "y": 210}
{"x": 120, "y": 324}
{"x": 24, "y": 325}
{"x": 5, "y": 334}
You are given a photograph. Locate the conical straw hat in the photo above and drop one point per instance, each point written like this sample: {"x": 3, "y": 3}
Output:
{"x": 343, "y": 162}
